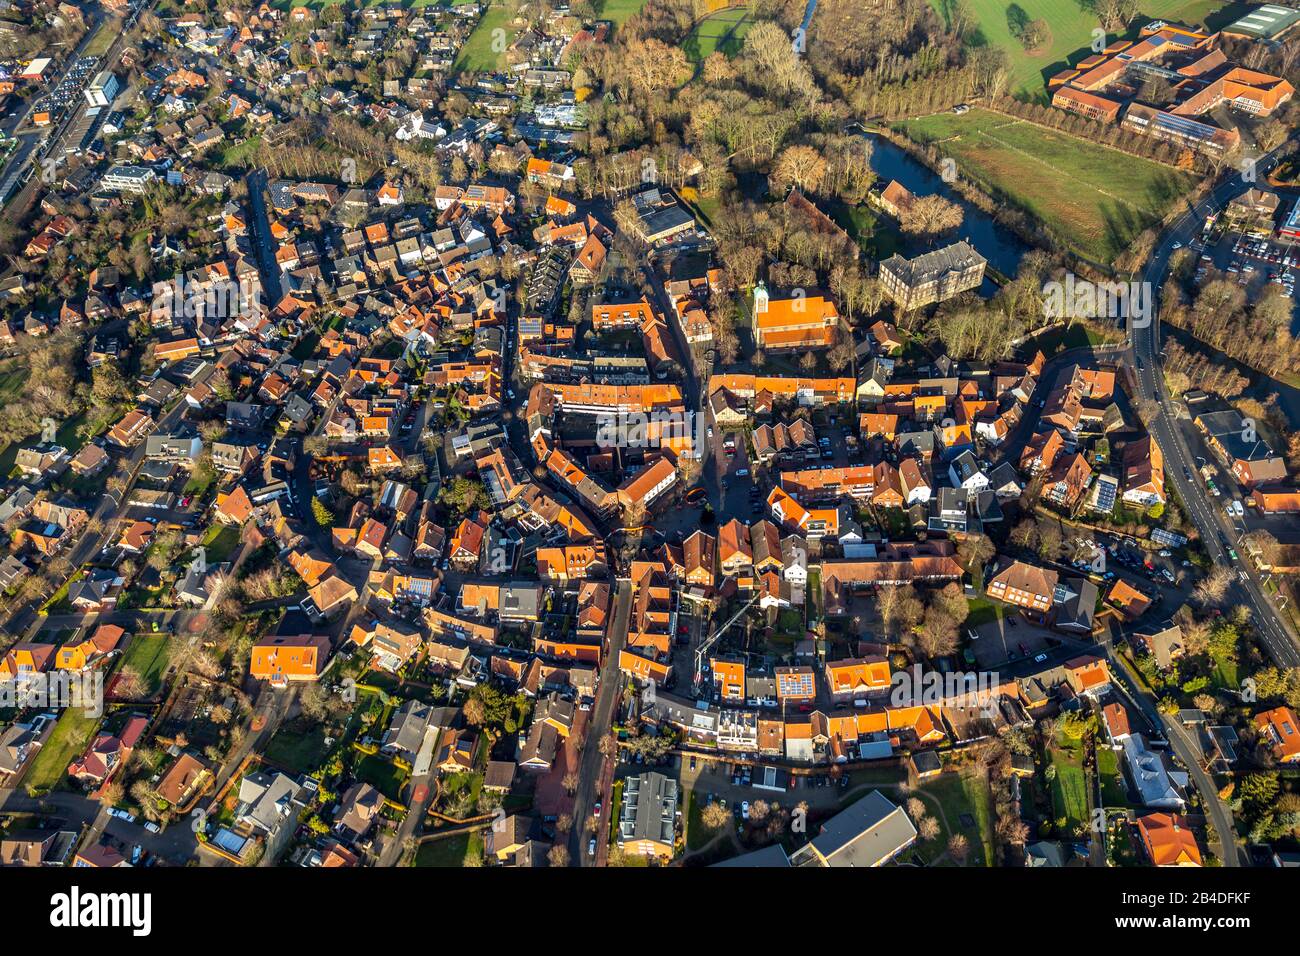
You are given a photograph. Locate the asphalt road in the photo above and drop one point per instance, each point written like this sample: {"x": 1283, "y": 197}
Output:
{"x": 105, "y": 516}
{"x": 265, "y": 246}
{"x": 1275, "y": 635}
{"x": 28, "y": 152}
{"x": 1184, "y": 748}
{"x": 602, "y": 715}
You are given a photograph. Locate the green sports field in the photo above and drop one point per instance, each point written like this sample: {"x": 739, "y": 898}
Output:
{"x": 723, "y": 31}
{"x": 1070, "y": 28}
{"x": 1095, "y": 199}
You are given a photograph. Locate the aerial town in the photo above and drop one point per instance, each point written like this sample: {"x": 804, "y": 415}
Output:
{"x": 649, "y": 433}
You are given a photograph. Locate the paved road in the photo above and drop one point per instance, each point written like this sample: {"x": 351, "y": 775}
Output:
{"x": 1185, "y": 749}
{"x": 174, "y": 845}
{"x": 602, "y": 715}
{"x": 1275, "y": 633}
{"x": 28, "y": 152}
{"x": 262, "y": 241}
{"x": 105, "y": 516}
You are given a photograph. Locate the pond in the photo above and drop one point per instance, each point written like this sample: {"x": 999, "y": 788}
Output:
{"x": 1001, "y": 247}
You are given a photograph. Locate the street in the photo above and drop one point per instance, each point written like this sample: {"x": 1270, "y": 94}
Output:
{"x": 1275, "y": 634}
{"x": 607, "y": 697}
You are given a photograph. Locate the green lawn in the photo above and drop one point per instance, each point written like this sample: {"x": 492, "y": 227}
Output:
{"x": 1062, "y": 337}
{"x": 723, "y": 31}
{"x": 1069, "y": 789}
{"x": 298, "y": 746}
{"x": 380, "y": 772}
{"x": 1070, "y": 27}
{"x": 148, "y": 655}
{"x": 450, "y": 850}
{"x": 1226, "y": 674}
{"x": 238, "y": 155}
{"x": 1113, "y": 793}
{"x": 966, "y": 793}
{"x": 485, "y": 49}
{"x": 454, "y": 784}
{"x": 697, "y": 834}
{"x": 71, "y": 735}
{"x": 983, "y": 611}
{"x": 220, "y": 540}
{"x": 13, "y": 376}
{"x": 874, "y": 234}
{"x": 102, "y": 40}
{"x": 618, "y": 12}
{"x": 1111, "y": 196}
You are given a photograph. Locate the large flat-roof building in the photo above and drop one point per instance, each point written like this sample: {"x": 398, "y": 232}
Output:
{"x": 1267, "y": 22}
{"x": 128, "y": 179}
{"x": 868, "y": 833}
{"x": 1109, "y": 86}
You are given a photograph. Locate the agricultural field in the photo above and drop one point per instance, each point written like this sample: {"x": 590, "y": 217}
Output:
{"x": 723, "y": 31}
{"x": 1069, "y": 31}
{"x": 1113, "y": 196}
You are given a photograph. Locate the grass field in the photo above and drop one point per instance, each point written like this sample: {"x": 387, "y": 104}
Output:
{"x": 220, "y": 542}
{"x": 449, "y": 851}
{"x": 723, "y": 31}
{"x": 1112, "y": 782}
{"x": 1093, "y": 198}
{"x": 1069, "y": 789}
{"x": 50, "y": 767}
{"x": 148, "y": 655}
{"x": 966, "y": 794}
{"x": 383, "y": 774}
{"x": 485, "y": 50}
{"x": 102, "y": 40}
{"x": 1070, "y": 28}
{"x": 298, "y": 746}
{"x": 618, "y": 11}
{"x": 1062, "y": 337}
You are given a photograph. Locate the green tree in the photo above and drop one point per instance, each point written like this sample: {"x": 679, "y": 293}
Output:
{"x": 321, "y": 513}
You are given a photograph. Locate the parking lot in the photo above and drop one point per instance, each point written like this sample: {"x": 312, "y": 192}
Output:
{"x": 1007, "y": 639}
{"x": 717, "y": 779}
{"x": 66, "y": 95}
{"x": 1250, "y": 262}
